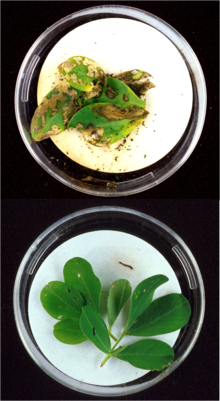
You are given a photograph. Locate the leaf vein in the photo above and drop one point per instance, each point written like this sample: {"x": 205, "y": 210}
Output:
{"x": 97, "y": 334}
{"x": 87, "y": 288}
{"x": 158, "y": 318}
{"x": 69, "y": 304}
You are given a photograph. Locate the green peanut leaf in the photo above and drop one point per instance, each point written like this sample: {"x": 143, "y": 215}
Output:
{"x": 94, "y": 327}
{"x": 119, "y": 93}
{"x": 61, "y": 301}
{"x": 139, "y": 81}
{"x": 79, "y": 274}
{"x": 69, "y": 332}
{"x": 53, "y": 114}
{"x": 82, "y": 73}
{"x": 147, "y": 354}
{"x": 164, "y": 315}
{"x": 103, "y": 124}
{"x": 119, "y": 293}
{"x": 143, "y": 295}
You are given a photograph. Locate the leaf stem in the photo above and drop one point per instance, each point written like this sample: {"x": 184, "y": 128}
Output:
{"x": 112, "y": 349}
{"x": 112, "y": 336}
{"x": 105, "y": 360}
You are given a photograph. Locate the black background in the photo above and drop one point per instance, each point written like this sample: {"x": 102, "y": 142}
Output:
{"x": 195, "y": 221}
{"x": 23, "y": 22}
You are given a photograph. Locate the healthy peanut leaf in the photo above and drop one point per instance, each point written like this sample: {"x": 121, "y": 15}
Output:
{"x": 69, "y": 332}
{"x": 94, "y": 327}
{"x": 79, "y": 274}
{"x": 143, "y": 295}
{"x": 53, "y": 114}
{"x": 164, "y": 315}
{"x": 83, "y": 73}
{"x": 117, "y": 92}
{"x": 119, "y": 293}
{"x": 147, "y": 354}
{"x": 102, "y": 124}
{"x": 61, "y": 301}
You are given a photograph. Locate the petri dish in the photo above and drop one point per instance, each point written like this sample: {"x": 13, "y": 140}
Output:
{"x": 120, "y": 183}
{"x": 148, "y": 236}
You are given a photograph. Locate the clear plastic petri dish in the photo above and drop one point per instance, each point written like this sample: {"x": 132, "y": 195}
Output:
{"x": 73, "y": 174}
{"x": 119, "y": 221}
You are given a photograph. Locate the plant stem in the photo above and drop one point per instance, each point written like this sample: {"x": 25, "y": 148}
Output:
{"x": 105, "y": 360}
{"x": 114, "y": 346}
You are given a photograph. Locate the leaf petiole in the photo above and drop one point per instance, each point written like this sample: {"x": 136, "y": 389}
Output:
{"x": 112, "y": 349}
{"x": 111, "y": 335}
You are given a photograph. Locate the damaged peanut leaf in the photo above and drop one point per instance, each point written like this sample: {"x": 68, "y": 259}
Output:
{"x": 164, "y": 315}
{"x": 53, "y": 114}
{"x": 143, "y": 295}
{"x": 69, "y": 332}
{"x": 119, "y": 293}
{"x": 61, "y": 301}
{"x": 82, "y": 73}
{"x": 147, "y": 354}
{"x": 139, "y": 81}
{"x": 117, "y": 92}
{"x": 94, "y": 327}
{"x": 79, "y": 274}
{"x": 103, "y": 124}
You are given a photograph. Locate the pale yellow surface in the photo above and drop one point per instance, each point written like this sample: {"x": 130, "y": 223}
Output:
{"x": 169, "y": 104}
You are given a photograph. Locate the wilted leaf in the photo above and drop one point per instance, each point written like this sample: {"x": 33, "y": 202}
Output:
{"x": 61, "y": 301}
{"x": 119, "y": 293}
{"x": 164, "y": 315}
{"x": 147, "y": 354}
{"x": 143, "y": 295}
{"x": 69, "y": 332}
{"x": 94, "y": 327}
{"x": 117, "y": 92}
{"x": 53, "y": 114}
{"x": 139, "y": 81}
{"x": 83, "y": 73}
{"x": 102, "y": 124}
{"x": 79, "y": 274}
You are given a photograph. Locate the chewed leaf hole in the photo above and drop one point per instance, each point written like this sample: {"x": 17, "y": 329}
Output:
{"x": 68, "y": 290}
{"x": 78, "y": 275}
